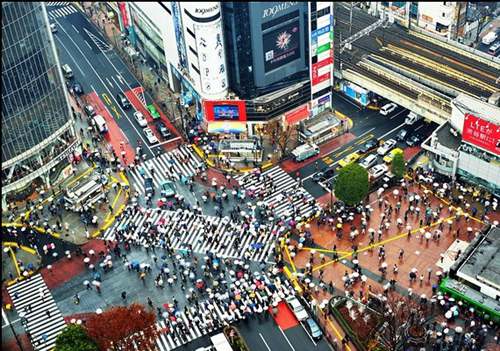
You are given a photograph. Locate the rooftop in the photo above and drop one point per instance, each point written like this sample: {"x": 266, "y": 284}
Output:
{"x": 483, "y": 263}
{"x": 446, "y": 138}
{"x": 479, "y": 108}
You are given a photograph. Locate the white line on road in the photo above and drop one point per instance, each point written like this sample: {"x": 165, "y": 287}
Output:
{"x": 120, "y": 78}
{"x": 420, "y": 126}
{"x": 397, "y": 114}
{"x": 362, "y": 135}
{"x": 5, "y": 319}
{"x": 111, "y": 95}
{"x": 288, "y": 341}
{"x": 69, "y": 53}
{"x": 90, "y": 47}
{"x": 166, "y": 142}
{"x": 76, "y": 30}
{"x": 110, "y": 84}
{"x": 114, "y": 80}
{"x": 391, "y": 131}
{"x": 310, "y": 337}
{"x": 264, "y": 341}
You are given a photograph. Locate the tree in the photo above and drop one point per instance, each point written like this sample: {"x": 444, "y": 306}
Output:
{"x": 74, "y": 338}
{"x": 398, "y": 165}
{"x": 124, "y": 328}
{"x": 403, "y": 318}
{"x": 352, "y": 185}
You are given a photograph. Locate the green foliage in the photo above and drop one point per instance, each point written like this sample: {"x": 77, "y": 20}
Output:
{"x": 74, "y": 338}
{"x": 352, "y": 184}
{"x": 398, "y": 165}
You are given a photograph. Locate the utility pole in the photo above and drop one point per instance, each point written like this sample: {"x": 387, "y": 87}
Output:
{"x": 350, "y": 18}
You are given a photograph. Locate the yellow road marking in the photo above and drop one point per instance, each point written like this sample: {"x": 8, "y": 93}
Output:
{"x": 336, "y": 332}
{"x": 117, "y": 114}
{"x": 380, "y": 243}
{"x": 290, "y": 258}
{"x": 16, "y": 265}
{"x": 324, "y": 250}
{"x": 327, "y": 160}
{"x": 106, "y": 98}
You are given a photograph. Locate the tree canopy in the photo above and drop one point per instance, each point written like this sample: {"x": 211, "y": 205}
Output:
{"x": 352, "y": 184}
{"x": 74, "y": 338}
{"x": 398, "y": 165}
{"x": 122, "y": 327}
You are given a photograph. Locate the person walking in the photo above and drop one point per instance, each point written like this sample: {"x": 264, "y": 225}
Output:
{"x": 124, "y": 295}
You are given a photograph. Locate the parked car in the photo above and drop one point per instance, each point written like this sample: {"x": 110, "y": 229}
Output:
{"x": 386, "y": 109}
{"x": 163, "y": 130}
{"x": 89, "y": 110}
{"x": 414, "y": 140}
{"x": 297, "y": 308}
{"x": 77, "y": 88}
{"x": 402, "y": 135}
{"x": 153, "y": 112}
{"x": 53, "y": 28}
{"x": 167, "y": 189}
{"x": 316, "y": 333}
{"x": 368, "y": 161}
{"x": 388, "y": 158}
{"x": 149, "y": 186}
{"x": 152, "y": 139}
{"x": 141, "y": 120}
{"x": 369, "y": 145}
{"x": 377, "y": 171}
{"x": 349, "y": 159}
{"x": 387, "y": 146}
{"x": 123, "y": 101}
{"x": 412, "y": 118}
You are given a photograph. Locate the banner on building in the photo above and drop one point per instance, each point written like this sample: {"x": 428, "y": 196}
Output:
{"x": 481, "y": 133}
{"x": 225, "y": 110}
{"x": 298, "y": 114}
{"x": 226, "y": 127}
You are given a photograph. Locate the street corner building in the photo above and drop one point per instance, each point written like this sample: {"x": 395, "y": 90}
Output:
{"x": 38, "y": 132}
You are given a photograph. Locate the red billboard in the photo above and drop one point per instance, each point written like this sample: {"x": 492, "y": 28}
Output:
{"x": 316, "y": 67}
{"x": 123, "y": 11}
{"x": 481, "y": 133}
{"x": 225, "y": 110}
{"x": 298, "y": 114}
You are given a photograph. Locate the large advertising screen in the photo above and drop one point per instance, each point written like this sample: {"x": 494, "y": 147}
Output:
{"x": 225, "y": 110}
{"x": 481, "y": 133}
{"x": 281, "y": 45}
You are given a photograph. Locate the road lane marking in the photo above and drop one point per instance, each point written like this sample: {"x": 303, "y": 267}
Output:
{"x": 327, "y": 160}
{"x": 76, "y": 30}
{"x": 288, "y": 341}
{"x": 5, "y": 319}
{"x": 368, "y": 131}
{"x": 397, "y": 114}
{"x": 166, "y": 142}
{"x": 141, "y": 137}
{"x": 110, "y": 84}
{"x": 106, "y": 98}
{"x": 114, "y": 80}
{"x": 90, "y": 47}
{"x": 69, "y": 53}
{"x": 264, "y": 341}
{"x": 309, "y": 335}
{"x": 117, "y": 114}
{"x": 391, "y": 131}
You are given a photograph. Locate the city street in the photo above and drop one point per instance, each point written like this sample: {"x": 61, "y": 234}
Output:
{"x": 103, "y": 74}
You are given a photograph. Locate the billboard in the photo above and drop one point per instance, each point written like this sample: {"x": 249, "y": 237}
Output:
{"x": 298, "y": 114}
{"x": 227, "y": 127}
{"x": 225, "y": 110}
{"x": 281, "y": 45}
{"x": 481, "y": 133}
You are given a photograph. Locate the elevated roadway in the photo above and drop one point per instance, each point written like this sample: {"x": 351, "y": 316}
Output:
{"x": 412, "y": 68}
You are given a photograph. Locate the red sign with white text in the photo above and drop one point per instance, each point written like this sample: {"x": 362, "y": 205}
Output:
{"x": 481, "y": 133}
{"x": 316, "y": 67}
{"x": 123, "y": 10}
{"x": 297, "y": 115}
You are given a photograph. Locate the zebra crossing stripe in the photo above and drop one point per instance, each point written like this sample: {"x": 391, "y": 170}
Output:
{"x": 61, "y": 12}
{"x": 38, "y": 323}
{"x": 57, "y": 3}
{"x": 186, "y": 228}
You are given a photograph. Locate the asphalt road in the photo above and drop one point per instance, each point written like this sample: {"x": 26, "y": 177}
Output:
{"x": 265, "y": 335}
{"x": 98, "y": 68}
{"x": 367, "y": 124}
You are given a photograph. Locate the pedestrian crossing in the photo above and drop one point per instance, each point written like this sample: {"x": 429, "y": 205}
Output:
{"x": 181, "y": 161}
{"x": 101, "y": 45}
{"x": 212, "y": 315}
{"x": 183, "y": 228}
{"x": 33, "y": 298}
{"x": 279, "y": 192}
{"x": 58, "y": 12}
{"x": 57, "y": 3}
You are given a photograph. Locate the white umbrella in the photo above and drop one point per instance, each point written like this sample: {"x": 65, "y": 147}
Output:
{"x": 395, "y": 192}
{"x": 98, "y": 311}
{"x": 96, "y": 283}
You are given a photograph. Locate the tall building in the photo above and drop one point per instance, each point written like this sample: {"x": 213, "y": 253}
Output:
{"x": 37, "y": 127}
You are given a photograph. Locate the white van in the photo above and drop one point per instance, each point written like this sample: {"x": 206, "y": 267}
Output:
{"x": 412, "y": 118}
{"x": 68, "y": 73}
{"x": 386, "y": 109}
{"x": 489, "y": 38}
{"x": 305, "y": 151}
{"x": 100, "y": 122}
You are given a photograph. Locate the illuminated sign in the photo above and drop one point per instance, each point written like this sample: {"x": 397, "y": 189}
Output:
{"x": 481, "y": 133}
{"x": 281, "y": 46}
{"x": 225, "y": 110}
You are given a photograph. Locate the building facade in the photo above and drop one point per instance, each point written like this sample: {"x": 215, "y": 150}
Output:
{"x": 468, "y": 146}
{"x": 37, "y": 128}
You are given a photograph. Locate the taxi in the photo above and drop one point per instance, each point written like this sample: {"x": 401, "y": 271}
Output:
{"x": 349, "y": 159}
{"x": 388, "y": 158}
